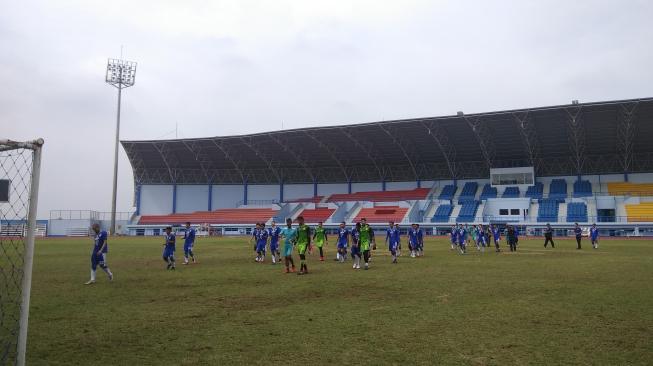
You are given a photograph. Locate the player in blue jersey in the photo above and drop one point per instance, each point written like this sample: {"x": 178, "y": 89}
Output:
{"x": 343, "y": 242}
{"x": 594, "y": 236}
{"x": 454, "y": 237}
{"x": 273, "y": 233}
{"x": 290, "y": 238}
{"x": 481, "y": 239}
{"x": 462, "y": 239}
{"x": 169, "y": 248}
{"x": 355, "y": 248}
{"x": 262, "y": 242}
{"x": 416, "y": 239}
{"x": 99, "y": 254}
{"x": 496, "y": 236}
{"x": 392, "y": 240}
{"x": 189, "y": 242}
{"x": 254, "y": 238}
{"x": 398, "y": 240}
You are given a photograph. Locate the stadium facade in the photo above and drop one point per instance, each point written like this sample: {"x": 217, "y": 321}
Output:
{"x": 589, "y": 162}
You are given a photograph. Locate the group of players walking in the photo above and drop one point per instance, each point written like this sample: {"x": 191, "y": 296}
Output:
{"x": 359, "y": 241}
{"x": 480, "y": 235}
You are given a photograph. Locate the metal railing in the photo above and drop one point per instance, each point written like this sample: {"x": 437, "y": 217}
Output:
{"x": 87, "y": 215}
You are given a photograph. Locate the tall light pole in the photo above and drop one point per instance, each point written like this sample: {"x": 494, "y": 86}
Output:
{"x": 121, "y": 74}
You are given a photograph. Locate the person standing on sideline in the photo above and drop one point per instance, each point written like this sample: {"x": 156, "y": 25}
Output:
{"x": 511, "y": 236}
{"x": 594, "y": 236}
{"x": 548, "y": 236}
{"x": 579, "y": 235}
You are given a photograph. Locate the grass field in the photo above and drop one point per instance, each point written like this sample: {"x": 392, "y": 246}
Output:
{"x": 543, "y": 307}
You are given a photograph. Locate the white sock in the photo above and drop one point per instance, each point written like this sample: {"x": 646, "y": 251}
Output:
{"x": 92, "y": 275}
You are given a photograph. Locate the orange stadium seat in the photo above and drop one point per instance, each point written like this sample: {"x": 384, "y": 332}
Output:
{"x": 642, "y": 212}
{"x": 319, "y": 214}
{"x": 382, "y": 214}
{"x": 222, "y": 216}
{"x": 314, "y": 199}
{"x": 630, "y": 189}
{"x": 382, "y": 196}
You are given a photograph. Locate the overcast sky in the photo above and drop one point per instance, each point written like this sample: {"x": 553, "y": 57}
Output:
{"x": 232, "y": 67}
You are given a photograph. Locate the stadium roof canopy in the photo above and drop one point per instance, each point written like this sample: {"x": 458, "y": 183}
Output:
{"x": 576, "y": 139}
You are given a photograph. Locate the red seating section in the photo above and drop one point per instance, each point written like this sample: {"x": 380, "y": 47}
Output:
{"x": 380, "y": 196}
{"x": 315, "y": 199}
{"x": 223, "y": 216}
{"x": 319, "y": 214}
{"x": 382, "y": 214}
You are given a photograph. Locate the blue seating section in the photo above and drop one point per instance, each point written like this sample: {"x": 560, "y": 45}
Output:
{"x": 582, "y": 188}
{"x": 535, "y": 191}
{"x": 442, "y": 213}
{"x": 576, "y": 212}
{"x": 548, "y": 210}
{"x": 448, "y": 192}
{"x": 558, "y": 189}
{"x": 469, "y": 192}
{"x": 488, "y": 192}
{"x": 468, "y": 211}
{"x": 511, "y": 192}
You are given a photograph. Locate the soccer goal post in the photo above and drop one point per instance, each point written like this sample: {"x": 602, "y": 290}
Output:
{"x": 20, "y": 167}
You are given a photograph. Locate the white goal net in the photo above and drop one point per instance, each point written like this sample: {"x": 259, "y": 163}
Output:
{"x": 20, "y": 164}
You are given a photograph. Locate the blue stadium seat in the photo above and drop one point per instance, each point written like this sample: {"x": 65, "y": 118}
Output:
{"x": 548, "y": 210}
{"x": 582, "y": 188}
{"x": 558, "y": 189}
{"x": 576, "y": 212}
{"x": 468, "y": 193}
{"x": 535, "y": 191}
{"x": 511, "y": 192}
{"x": 488, "y": 192}
{"x": 448, "y": 192}
{"x": 442, "y": 213}
{"x": 467, "y": 211}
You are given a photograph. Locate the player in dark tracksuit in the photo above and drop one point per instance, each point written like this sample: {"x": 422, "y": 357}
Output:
{"x": 548, "y": 236}
{"x": 511, "y": 235}
{"x": 579, "y": 235}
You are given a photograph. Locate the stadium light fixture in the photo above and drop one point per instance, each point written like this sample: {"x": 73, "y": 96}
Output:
{"x": 120, "y": 74}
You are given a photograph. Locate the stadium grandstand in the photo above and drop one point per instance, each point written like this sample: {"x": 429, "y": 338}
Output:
{"x": 582, "y": 162}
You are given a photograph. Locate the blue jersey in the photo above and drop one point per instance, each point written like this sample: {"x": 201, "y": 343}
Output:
{"x": 392, "y": 235}
{"x": 355, "y": 235}
{"x": 462, "y": 235}
{"x": 273, "y": 233}
{"x": 594, "y": 233}
{"x": 100, "y": 240}
{"x": 343, "y": 235}
{"x": 454, "y": 235}
{"x": 262, "y": 236}
{"x": 170, "y": 241}
{"x": 496, "y": 233}
{"x": 578, "y": 231}
{"x": 416, "y": 236}
{"x": 189, "y": 236}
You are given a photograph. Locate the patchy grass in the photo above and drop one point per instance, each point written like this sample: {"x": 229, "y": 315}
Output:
{"x": 537, "y": 306}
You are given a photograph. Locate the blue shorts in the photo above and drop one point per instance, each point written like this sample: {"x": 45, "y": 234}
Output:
{"x": 168, "y": 252}
{"x": 98, "y": 260}
{"x": 274, "y": 247}
{"x": 481, "y": 240}
{"x": 355, "y": 250}
{"x": 188, "y": 247}
{"x": 342, "y": 245}
{"x": 461, "y": 242}
{"x": 260, "y": 247}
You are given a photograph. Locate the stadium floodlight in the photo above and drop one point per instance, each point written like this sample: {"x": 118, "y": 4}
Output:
{"x": 121, "y": 74}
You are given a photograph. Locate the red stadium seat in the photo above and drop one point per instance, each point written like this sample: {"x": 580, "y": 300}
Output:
{"x": 319, "y": 214}
{"x": 382, "y": 214}
{"x": 382, "y": 196}
{"x": 222, "y": 216}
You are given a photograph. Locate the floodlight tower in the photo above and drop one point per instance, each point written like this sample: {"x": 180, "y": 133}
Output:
{"x": 121, "y": 74}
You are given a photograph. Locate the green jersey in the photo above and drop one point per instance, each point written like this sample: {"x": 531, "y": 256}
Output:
{"x": 303, "y": 235}
{"x": 320, "y": 235}
{"x": 366, "y": 235}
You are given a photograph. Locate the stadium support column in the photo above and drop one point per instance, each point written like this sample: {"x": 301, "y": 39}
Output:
{"x": 245, "y": 192}
{"x": 174, "y": 198}
{"x": 314, "y": 187}
{"x": 210, "y": 205}
{"x": 383, "y": 185}
{"x": 281, "y": 191}
{"x": 349, "y": 186}
{"x": 138, "y": 200}
{"x": 419, "y": 183}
